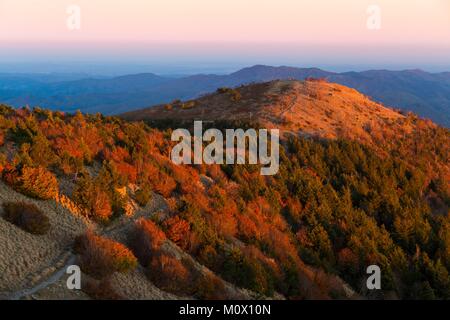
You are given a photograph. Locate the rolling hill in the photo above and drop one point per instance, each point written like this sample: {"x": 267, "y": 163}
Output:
{"x": 427, "y": 94}
{"x": 315, "y": 108}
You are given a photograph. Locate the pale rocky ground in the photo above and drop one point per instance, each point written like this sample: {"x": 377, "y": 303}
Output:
{"x": 33, "y": 267}
{"x": 25, "y": 258}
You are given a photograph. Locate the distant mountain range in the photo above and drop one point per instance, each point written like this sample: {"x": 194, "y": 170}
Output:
{"x": 427, "y": 94}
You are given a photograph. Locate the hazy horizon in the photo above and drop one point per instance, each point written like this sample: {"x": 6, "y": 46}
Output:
{"x": 113, "y": 69}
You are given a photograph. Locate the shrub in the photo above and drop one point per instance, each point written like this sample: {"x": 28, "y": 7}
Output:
{"x": 211, "y": 287}
{"x": 348, "y": 261}
{"x": 169, "y": 274}
{"x": 246, "y": 272}
{"x": 178, "y": 231}
{"x": 143, "y": 196}
{"x": 93, "y": 199}
{"x": 101, "y": 256}
{"x": 34, "y": 182}
{"x": 101, "y": 290}
{"x": 101, "y": 207}
{"x": 164, "y": 184}
{"x": 26, "y": 216}
{"x": 234, "y": 94}
{"x": 188, "y": 105}
{"x": 146, "y": 240}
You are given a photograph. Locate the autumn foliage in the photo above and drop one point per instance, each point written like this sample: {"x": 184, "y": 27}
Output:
{"x": 100, "y": 257}
{"x": 93, "y": 200}
{"x": 169, "y": 274}
{"x": 100, "y": 289}
{"x": 335, "y": 205}
{"x": 36, "y": 182}
{"x": 146, "y": 240}
{"x": 177, "y": 230}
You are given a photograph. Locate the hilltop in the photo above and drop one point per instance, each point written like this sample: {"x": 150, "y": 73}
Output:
{"x": 424, "y": 93}
{"x": 314, "y": 108}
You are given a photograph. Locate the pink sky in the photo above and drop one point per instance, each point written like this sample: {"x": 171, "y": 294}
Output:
{"x": 219, "y": 26}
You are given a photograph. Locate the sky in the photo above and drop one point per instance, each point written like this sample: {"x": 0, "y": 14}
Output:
{"x": 188, "y": 36}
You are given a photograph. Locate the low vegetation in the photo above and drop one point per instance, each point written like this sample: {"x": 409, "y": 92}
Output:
{"x": 26, "y": 216}
{"x": 234, "y": 94}
{"x": 335, "y": 206}
{"x": 100, "y": 257}
{"x": 35, "y": 182}
{"x": 100, "y": 289}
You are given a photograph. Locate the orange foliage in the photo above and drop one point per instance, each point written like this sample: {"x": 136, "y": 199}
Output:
{"x": 216, "y": 173}
{"x": 119, "y": 154}
{"x": 35, "y": 182}
{"x": 159, "y": 181}
{"x": 348, "y": 259}
{"x": 147, "y": 240}
{"x": 186, "y": 177}
{"x": 224, "y": 222}
{"x": 294, "y": 208}
{"x": 211, "y": 287}
{"x": 303, "y": 238}
{"x": 127, "y": 170}
{"x": 100, "y": 290}
{"x": 101, "y": 257}
{"x": 247, "y": 228}
{"x": 170, "y": 274}
{"x": 101, "y": 206}
{"x": 178, "y": 231}
{"x": 68, "y": 145}
{"x": 260, "y": 206}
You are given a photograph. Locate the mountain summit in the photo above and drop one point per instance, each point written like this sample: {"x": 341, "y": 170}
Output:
{"x": 427, "y": 94}
{"x": 314, "y": 107}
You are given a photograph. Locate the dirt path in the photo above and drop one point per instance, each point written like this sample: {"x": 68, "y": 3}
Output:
{"x": 289, "y": 107}
{"x": 44, "y": 284}
{"x": 116, "y": 227}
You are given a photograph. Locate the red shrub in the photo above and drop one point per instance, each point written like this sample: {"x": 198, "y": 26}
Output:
{"x": 100, "y": 290}
{"x": 127, "y": 170}
{"x": 92, "y": 199}
{"x": 34, "y": 182}
{"x": 294, "y": 209}
{"x": 170, "y": 274}
{"x": 348, "y": 260}
{"x": 224, "y": 222}
{"x": 247, "y": 228}
{"x": 159, "y": 181}
{"x": 101, "y": 206}
{"x": 101, "y": 257}
{"x": 146, "y": 240}
{"x": 178, "y": 231}
{"x": 211, "y": 287}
